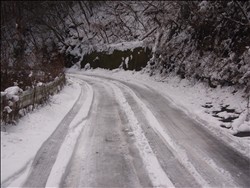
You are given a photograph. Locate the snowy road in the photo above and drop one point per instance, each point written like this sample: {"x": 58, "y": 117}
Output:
{"x": 134, "y": 137}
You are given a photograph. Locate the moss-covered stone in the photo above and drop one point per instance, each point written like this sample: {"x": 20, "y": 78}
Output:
{"x": 136, "y": 58}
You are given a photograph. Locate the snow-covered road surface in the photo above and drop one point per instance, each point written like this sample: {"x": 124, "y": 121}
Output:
{"x": 121, "y": 134}
{"x": 47, "y": 154}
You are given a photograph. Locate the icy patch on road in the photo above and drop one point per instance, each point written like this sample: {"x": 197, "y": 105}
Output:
{"x": 156, "y": 173}
{"x": 67, "y": 148}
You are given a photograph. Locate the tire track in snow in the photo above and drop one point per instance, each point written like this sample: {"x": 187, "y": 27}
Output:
{"x": 15, "y": 177}
{"x": 157, "y": 180}
{"x": 215, "y": 161}
{"x": 156, "y": 173}
{"x": 177, "y": 173}
{"x": 205, "y": 166}
{"x": 177, "y": 150}
{"x": 75, "y": 128}
{"x": 47, "y": 154}
{"x": 101, "y": 157}
{"x": 192, "y": 157}
{"x": 157, "y": 176}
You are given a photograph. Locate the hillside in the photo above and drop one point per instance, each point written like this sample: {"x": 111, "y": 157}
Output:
{"x": 202, "y": 40}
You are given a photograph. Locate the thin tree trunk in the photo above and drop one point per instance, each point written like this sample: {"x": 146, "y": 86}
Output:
{"x": 248, "y": 107}
{"x": 84, "y": 13}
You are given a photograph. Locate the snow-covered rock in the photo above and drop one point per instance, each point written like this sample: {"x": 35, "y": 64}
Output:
{"x": 87, "y": 66}
{"x": 13, "y": 92}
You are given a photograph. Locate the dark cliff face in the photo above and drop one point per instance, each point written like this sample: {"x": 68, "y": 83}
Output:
{"x": 128, "y": 59}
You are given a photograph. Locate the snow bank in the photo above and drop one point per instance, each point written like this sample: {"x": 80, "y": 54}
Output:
{"x": 20, "y": 143}
{"x": 87, "y": 49}
{"x": 122, "y": 46}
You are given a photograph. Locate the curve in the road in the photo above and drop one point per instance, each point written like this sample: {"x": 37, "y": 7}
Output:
{"x": 110, "y": 152}
{"x": 103, "y": 156}
{"x": 215, "y": 161}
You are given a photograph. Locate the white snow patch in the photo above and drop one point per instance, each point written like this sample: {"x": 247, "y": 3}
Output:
{"x": 244, "y": 127}
{"x": 126, "y": 61}
{"x": 87, "y": 66}
{"x": 3, "y": 93}
{"x": 13, "y": 92}
{"x": 7, "y": 109}
{"x": 39, "y": 84}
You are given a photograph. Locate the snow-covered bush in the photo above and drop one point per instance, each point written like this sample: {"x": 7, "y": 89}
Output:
{"x": 12, "y": 93}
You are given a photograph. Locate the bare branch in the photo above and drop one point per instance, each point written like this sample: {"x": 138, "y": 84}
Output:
{"x": 243, "y": 12}
{"x": 149, "y": 33}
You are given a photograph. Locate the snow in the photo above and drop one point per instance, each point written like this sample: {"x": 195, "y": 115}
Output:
{"x": 156, "y": 173}
{"x": 3, "y": 93}
{"x": 177, "y": 150}
{"x": 67, "y": 147}
{"x": 7, "y": 109}
{"x": 121, "y": 46}
{"x": 20, "y": 143}
{"x": 13, "y": 92}
{"x": 31, "y": 74}
{"x": 87, "y": 66}
{"x": 240, "y": 124}
{"x": 191, "y": 97}
{"x": 126, "y": 61}
{"x": 125, "y": 45}
{"x": 244, "y": 127}
{"x": 203, "y": 6}
{"x": 39, "y": 84}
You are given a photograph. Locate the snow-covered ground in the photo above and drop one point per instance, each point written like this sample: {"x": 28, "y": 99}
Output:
{"x": 20, "y": 143}
{"x": 157, "y": 175}
{"x": 212, "y": 107}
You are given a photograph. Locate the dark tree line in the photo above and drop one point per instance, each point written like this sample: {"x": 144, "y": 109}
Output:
{"x": 30, "y": 32}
